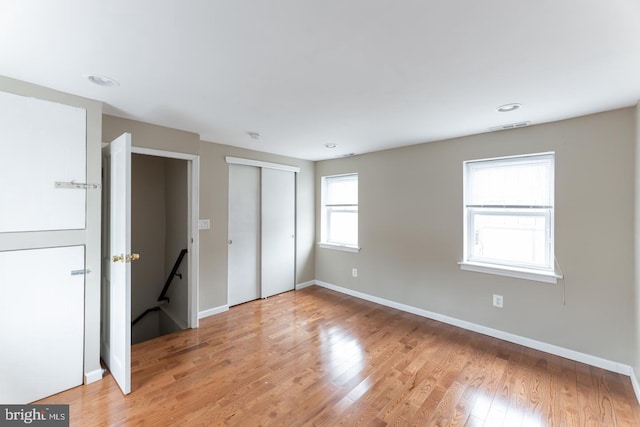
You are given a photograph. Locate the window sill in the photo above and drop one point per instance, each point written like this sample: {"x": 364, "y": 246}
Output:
{"x": 520, "y": 273}
{"x": 336, "y": 247}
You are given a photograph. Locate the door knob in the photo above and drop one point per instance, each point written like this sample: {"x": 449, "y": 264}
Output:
{"x": 230, "y": 241}
{"x": 125, "y": 258}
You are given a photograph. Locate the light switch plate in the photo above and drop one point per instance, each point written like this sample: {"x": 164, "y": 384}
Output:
{"x": 204, "y": 224}
{"x": 498, "y": 301}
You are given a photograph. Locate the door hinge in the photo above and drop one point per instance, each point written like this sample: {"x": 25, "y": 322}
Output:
{"x": 76, "y": 185}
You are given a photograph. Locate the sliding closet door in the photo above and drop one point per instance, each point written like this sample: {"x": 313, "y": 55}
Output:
{"x": 278, "y": 231}
{"x": 244, "y": 234}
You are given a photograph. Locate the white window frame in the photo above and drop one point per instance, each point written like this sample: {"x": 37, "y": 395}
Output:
{"x": 325, "y": 214}
{"x": 504, "y": 267}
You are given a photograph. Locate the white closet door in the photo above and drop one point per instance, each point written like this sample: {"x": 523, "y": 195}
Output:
{"x": 278, "y": 231}
{"x": 244, "y": 234}
{"x": 42, "y": 318}
{"x": 41, "y": 143}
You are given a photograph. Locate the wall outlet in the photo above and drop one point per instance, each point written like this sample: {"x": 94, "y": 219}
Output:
{"x": 204, "y": 224}
{"x": 354, "y": 272}
{"x": 497, "y": 301}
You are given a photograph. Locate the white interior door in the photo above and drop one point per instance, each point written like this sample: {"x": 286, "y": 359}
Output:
{"x": 278, "y": 231}
{"x": 42, "y": 313}
{"x": 117, "y": 269}
{"x": 244, "y": 234}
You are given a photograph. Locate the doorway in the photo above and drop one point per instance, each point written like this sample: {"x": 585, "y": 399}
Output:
{"x": 159, "y": 213}
{"x": 118, "y": 256}
{"x": 190, "y": 264}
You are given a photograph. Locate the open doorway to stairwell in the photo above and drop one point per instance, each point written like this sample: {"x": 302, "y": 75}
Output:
{"x": 159, "y": 231}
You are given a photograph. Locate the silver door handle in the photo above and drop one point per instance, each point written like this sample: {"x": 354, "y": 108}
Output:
{"x": 230, "y": 241}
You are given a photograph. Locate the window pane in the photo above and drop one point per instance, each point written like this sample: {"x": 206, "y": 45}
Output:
{"x": 525, "y": 181}
{"x": 342, "y": 227}
{"x": 510, "y": 239}
{"x": 342, "y": 190}
{"x": 340, "y": 209}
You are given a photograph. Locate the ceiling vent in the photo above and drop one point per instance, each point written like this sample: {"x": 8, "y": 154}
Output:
{"x": 510, "y": 126}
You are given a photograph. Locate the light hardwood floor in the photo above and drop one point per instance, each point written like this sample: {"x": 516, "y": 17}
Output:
{"x": 317, "y": 357}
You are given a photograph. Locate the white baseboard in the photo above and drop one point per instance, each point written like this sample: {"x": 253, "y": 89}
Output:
{"x": 93, "y": 376}
{"x": 305, "y": 284}
{"x": 634, "y": 383}
{"x": 506, "y": 336}
{"x": 210, "y": 312}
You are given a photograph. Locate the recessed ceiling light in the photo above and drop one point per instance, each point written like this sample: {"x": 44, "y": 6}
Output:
{"x": 330, "y": 145}
{"x": 103, "y": 80}
{"x": 508, "y": 107}
{"x": 254, "y": 135}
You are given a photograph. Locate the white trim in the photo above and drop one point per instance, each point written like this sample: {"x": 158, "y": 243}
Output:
{"x": 506, "y": 336}
{"x": 163, "y": 153}
{"x": 514, "y": 157}
{"x": 305, "y": 284}
{"x": 213, "y": 311}
{"x": 634, "y": 383}
{"x": 193, "y": 232}
{"x": 93, "y": 376}
{"x": 260, "y": 164}
{"x": 519, "y": 273}
{"x": 193, "y": 182}
{"x": 337, "y": 247}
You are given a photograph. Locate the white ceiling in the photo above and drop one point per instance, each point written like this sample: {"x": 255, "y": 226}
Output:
{"x": 364, "y": 74}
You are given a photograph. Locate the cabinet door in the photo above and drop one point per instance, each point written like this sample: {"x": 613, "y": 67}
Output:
{"x": 41, "y": 143}
{"x": 42, "y": 318}
{"x": 278, "y": 231}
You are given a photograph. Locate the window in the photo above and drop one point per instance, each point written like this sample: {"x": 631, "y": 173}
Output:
{"x": 508, "y": 205}
{"x": 339, "y": 226}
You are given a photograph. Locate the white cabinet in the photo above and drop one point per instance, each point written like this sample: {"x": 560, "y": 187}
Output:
{"x": 46, "y": 238}
{"x": 41, "y": 313}
{"x": 41, "y": 143}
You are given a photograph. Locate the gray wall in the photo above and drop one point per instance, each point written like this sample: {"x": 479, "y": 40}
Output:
{"x": 410, "y": 225}
{"x": 176, "y": 231}
{"x": 214, "y": 180}
{"x": 150, "y": 136}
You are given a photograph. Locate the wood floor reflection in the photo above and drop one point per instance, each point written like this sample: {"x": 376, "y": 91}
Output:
{"x": 316, "y": 357}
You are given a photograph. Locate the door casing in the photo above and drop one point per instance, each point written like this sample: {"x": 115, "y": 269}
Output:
{"x": 193, "y": 180}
